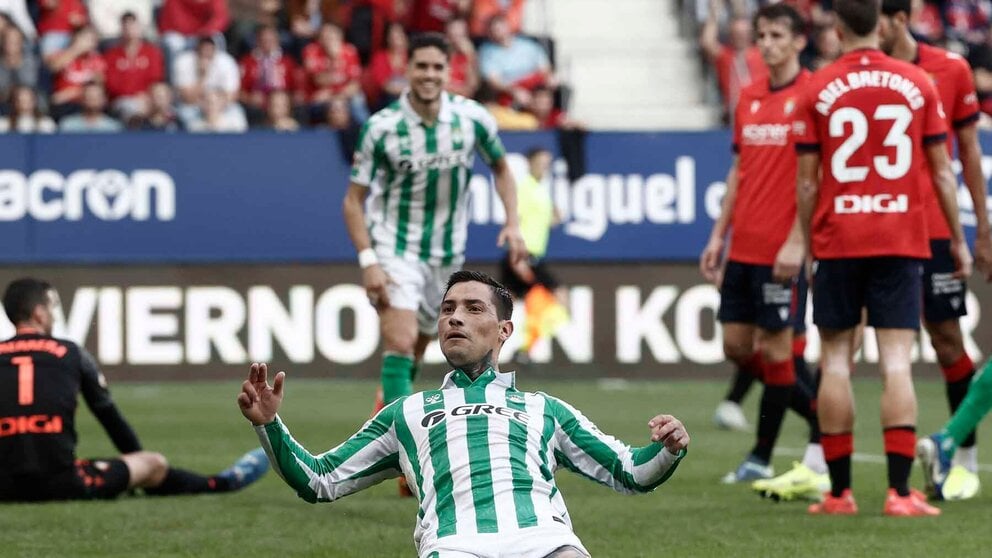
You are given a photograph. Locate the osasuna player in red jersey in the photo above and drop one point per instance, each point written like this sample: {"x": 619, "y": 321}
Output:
{"x": 41, "y": 378}
{"x": 943, "y": 293}
{"x": 758, "y": 291}
{"x": 874, "y": 124}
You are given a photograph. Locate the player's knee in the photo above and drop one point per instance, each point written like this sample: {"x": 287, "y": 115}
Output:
{"x": 739, "y": 353}
{"x": 157, "y": 466}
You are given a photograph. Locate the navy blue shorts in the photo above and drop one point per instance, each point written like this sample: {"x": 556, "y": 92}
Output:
{"x": 943, "y": 294}
{"x": 888, "y": 287}
{"x": 749, "y": 295}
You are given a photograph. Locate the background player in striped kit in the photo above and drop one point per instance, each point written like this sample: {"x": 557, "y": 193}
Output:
{"x": 406, "y": 208}
{"x": 944, "y": 294}
{"x": 480, "y": 454}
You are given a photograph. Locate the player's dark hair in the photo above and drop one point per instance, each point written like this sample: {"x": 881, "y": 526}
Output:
{"x": 892, "y": 7}
{"x": 22, "y": 296}
{"x": 535, "y": 151}
{"x": 501, "y": 296}
{"x": 860, "y": 16}
{"x": 775, "y": 12}
{"x": 429, "y": 39}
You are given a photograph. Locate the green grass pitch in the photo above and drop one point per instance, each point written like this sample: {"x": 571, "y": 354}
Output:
{"x": 199, "y": 427}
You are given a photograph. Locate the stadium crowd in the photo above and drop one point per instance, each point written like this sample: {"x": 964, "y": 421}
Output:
{"x": 726, "y": 41}
{"x": 234, "y": 65}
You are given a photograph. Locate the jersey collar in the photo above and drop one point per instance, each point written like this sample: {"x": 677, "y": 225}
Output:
{"x": 456, "y": 379}
{"x": 444, "y": 115}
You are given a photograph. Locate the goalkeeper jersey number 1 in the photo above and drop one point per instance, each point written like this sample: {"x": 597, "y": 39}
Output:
{"x": 481, "y": 456}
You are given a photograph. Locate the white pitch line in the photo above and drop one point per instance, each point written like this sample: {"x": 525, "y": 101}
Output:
{"x": 861, "y": 457}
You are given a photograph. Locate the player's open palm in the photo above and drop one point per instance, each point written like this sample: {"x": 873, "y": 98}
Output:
{"x": 259, "y": 401}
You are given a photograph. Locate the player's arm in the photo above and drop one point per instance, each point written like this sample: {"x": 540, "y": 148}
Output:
{"x": 491, "y": 148}
{"x": 93, "y": 386}
{"x": 970, "y": 153}
{"x": 946, "y": 188}
{"x": 807, "y": 192}
{"x": 585, "y": 449}
{"x": 368, "y": 457}
{"x": 368, "y": 159}
{"x": 709, "y": 38}
{"x": 710, "y": 261}
{"x": 789, "y": 259}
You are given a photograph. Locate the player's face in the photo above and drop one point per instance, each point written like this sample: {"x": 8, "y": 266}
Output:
{"x": 888, "y": 31}
{"x": 428, "y": 74}
{"x": 777, "y": 43}
{"x": 468, "y": 326}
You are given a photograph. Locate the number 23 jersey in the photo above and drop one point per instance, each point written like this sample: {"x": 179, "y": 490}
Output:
{"x": 869, "y": 117}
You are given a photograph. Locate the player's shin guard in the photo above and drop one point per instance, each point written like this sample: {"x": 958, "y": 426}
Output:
{"x": 397, "y": 372}
{"x": 974, "y": 407}
{"x": 957, "y": 378}
{"x": 900, "y": 450}
{"x": 837, "y": 450}
{"x": 780, "y": 380}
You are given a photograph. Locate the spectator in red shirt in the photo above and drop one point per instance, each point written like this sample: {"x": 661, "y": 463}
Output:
{"x": 133, "y": 65}
{"x": 464, "y": 65}
{"x": 333, "y": 71}
{"x": 434, "y": 15}
{"x": 385, "y": 78}
{"x": 57, "y": 21}
{"x": 306, "y": 17}
{"x": 75, "y": 67}
{"x": 738, "y": 63}
{"x": 183, "y": 22}
{"x": 267, "y": 69}
{"x": 484, "y": 10}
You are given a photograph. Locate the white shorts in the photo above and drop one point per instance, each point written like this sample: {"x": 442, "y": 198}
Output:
{"x": 532, "y": 542}
{"x": 417, "y": 286}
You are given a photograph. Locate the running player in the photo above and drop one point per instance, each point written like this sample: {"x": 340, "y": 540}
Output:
{"x": 943, "y": 293}
{"x": 758, "y": 292}
{"x": 480, "y": 454}
{"x": 406, "y": 208}
{"x": 41, "y": 378}
{"x": 874, "y": 123}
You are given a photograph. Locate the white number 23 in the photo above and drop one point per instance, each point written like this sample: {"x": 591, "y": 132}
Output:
{"x": 901, "y": 117}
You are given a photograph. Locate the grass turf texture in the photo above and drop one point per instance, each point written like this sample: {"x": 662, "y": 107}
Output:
{"x": 197, "y": 426}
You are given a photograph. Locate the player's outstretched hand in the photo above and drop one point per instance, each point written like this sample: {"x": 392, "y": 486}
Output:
{"x": 669, "y": 431}
{"x": 259, "y": 402}
{"x": 376, "y": 280}
{"x": 962, "y": 258}
{"x": 983, "y": 256}
{"x": 709, "y": 260}
{"x": 511, "y": 237}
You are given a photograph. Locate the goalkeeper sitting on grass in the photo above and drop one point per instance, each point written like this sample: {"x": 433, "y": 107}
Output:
{"x": 479, "y": 454}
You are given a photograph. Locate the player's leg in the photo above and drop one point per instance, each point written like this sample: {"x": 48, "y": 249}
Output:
{"x": 737, "y": 315}
{"x": 398, "y": 329}
{"x": 943, "y": 306}
{"x": 152, "y": 472}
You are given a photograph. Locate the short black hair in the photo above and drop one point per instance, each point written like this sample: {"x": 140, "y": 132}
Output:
{"x": 535, "y": 151}
{"x": 774, "y": 12}
{"x": 892, "y": 7}
{"x": 860, "y": 16}
{"x": 429, "y": 39}
{"x": 128, "y": 16}
{"x": 501, "y": 296}
{"x": 22, "y": 296}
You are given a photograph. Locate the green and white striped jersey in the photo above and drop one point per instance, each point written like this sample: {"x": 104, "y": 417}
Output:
{"x": 480, "y": 456}
{"x": 418, "y": 176}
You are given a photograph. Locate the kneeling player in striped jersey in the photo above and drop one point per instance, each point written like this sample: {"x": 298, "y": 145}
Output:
{"x": 480, "y": 454}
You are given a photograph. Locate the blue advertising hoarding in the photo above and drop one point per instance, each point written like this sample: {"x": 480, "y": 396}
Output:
{"x": 265, "y": 197}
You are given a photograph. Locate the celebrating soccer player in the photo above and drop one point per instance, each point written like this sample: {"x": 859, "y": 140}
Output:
{"x": 943, "y": 293}
{"x": 41, "y": 378}
{"x": 480, "y": 454}
{"x": 411, "y": 171}
{"x": 759, "y": 291}
{"x": 874, "y": 123}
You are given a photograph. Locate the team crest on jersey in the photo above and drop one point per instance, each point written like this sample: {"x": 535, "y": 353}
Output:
{"x": 457, "y": 136}
{"x": 432, "y": 398}
{"x": 755, "y": 105}
{"x": 404, "y": 143}
{"x": 790, "y": 105}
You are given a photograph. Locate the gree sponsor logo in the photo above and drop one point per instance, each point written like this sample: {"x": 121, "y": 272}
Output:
{"x": 30, "y": 424}
{"x": 878, "y": 203}
{"x": 107, "y": 195}
{"x": 435, "y": 418}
